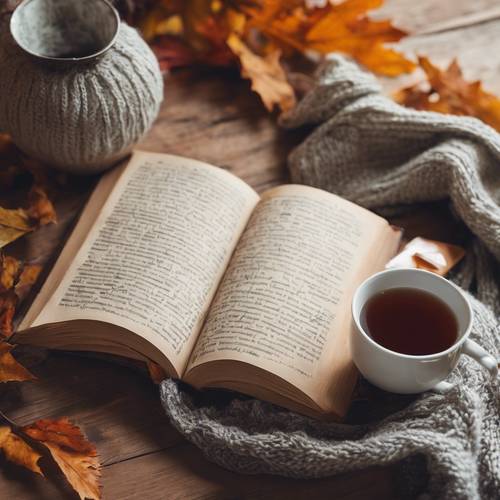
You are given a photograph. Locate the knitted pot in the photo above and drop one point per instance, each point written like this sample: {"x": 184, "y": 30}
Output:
{"x": 77, "y": 88}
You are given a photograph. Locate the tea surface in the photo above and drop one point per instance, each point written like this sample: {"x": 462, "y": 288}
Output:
{"x": 410, "y": 321}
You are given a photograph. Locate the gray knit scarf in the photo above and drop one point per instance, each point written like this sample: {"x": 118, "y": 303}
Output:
{"x": 378, "y": 154}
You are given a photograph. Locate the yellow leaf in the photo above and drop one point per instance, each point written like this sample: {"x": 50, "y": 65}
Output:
{"x": 17, "y": 451}
{"x": 15, "y": 218}
{"x": 10, "y": 369}
{"x": 267, "y": 76}
{"x": 8, "y": 235}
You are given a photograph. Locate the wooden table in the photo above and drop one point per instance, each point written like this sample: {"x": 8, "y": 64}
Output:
{"x": 212, "y": 116}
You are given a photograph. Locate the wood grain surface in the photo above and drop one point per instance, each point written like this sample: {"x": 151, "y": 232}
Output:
{"x": 213, "y": 116}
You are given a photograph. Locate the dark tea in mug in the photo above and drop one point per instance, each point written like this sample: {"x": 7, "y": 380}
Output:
{"x": 409, "y": 321}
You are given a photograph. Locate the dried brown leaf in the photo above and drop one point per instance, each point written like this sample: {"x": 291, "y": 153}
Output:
{"x": 73, "y": 453}
{"x": 40, "y": 207}
{"x": 10, "y": 369}
{"x": 448, "y": 92}
{"x": 26, "y": 280}
{"x": 267, "y": 76}
{"x": 8, "y": 302}
{"x": 16, "y": 450}
{"x": 9, "y": 270}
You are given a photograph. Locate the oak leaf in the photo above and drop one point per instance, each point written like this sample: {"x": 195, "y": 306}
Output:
{"x": 267, "y": 76}
{"x": 16, "y": 450}
{"x": 446, "y": 91}
{"x": 73, "y": 453}
{"x": 10, "y": 369}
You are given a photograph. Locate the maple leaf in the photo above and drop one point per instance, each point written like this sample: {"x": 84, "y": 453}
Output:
{"x": 76, "y": 457}
{"x": 343, "y": 27}
{"x": 446, "y": 91}
{"x": 16, "y": 450}
{"x": 10, "y": 369}
{"x": 267, "y": 76}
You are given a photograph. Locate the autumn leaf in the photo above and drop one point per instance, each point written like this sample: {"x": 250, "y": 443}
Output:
{"x": 40, "y": 207}
{"x": 16, "y": 280}
{"x": 16, "y": 450}
{"x": 14, "y": 223}
{"x": 9, "y": 270}
{"x": 26, "y": 280}
{"x": 8, "y": 302}
{"x": 267, "y": 76}
{"x": 10, "y": 369}
{"x": 156, "y": 372}
{"x": 337, "y": 27}
{"x": 73, "y": 453}
{"x": 446, "y": 91}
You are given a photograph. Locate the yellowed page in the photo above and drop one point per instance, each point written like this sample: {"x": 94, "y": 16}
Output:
{"x": 74, "y": 243}
{"x": 154, "y": 257}
{"x": 285, "y": 298}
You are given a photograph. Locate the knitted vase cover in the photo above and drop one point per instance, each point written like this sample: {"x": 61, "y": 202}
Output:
{"x": 380, "y": 155}
{"x": 80, "y": 117}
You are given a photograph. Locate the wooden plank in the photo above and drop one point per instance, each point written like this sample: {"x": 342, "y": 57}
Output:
{"x": 182, "y": 473}
{"x": 117, "y": 408}
{"x": 431, "y": 16}
{"x": 217, "y": 119}
{"x": 169, "y": 475}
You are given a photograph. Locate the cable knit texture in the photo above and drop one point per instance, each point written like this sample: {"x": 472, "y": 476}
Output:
{"x": 378, "y": 154}
{"x": 80, "y": 117}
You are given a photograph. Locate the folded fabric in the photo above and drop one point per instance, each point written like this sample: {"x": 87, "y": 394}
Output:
{"x": 378, "y": 154}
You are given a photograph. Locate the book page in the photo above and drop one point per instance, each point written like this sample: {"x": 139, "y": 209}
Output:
{"x": 156, "y": 253}
{"x": 285, "y": 298}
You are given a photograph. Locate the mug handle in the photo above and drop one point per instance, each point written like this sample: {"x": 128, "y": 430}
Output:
{"x": 476, "y": 352}
{"x": 484, "y": 358}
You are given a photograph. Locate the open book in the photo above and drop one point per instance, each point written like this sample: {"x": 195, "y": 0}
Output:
{"x": 182, "y": 263}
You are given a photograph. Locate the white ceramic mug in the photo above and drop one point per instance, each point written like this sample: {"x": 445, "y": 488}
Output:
{"x": 403, "y": 373}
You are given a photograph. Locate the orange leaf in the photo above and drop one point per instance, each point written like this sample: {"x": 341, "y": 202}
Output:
{"x": 156, "y": 372}
{"x": 10, "y": 369}
{"x": 267, "y": 76}
{"x": 9, "y": 270}
{"x": 40, "y": 207}
{"x": 16, "y": 281}
{"x": 17, "y": 451}
{"x": 8, "y": 301}
{"x": 26, "y": 280}
{"x": 76, "y": 456}
{"x": 343, "y": 27}
{"x": 448, "y": 92}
